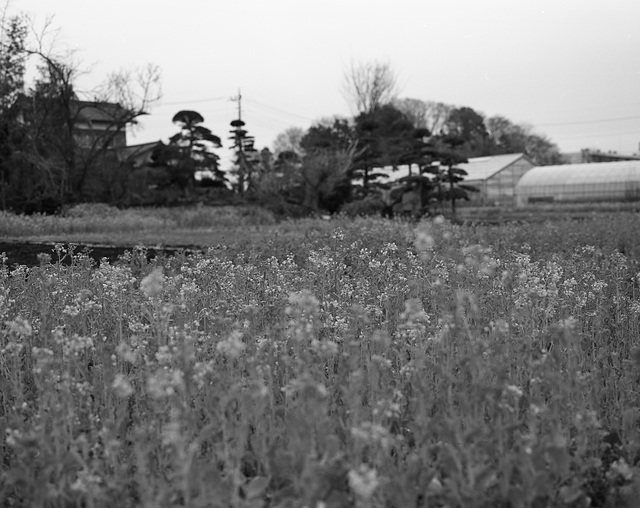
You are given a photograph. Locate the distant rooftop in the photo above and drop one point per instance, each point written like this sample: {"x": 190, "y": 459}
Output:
{"x": 590, "y": 155}
{"x": 106, "y": 112}
{"x": 139, "y": 154}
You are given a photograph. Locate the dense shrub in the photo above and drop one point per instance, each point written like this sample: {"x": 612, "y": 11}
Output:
{"x": 370, "y": 205}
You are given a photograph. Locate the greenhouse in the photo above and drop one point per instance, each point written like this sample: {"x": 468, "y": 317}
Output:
{"x": 604, "y": 181}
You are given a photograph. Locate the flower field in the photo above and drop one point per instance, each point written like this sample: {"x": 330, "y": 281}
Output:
{"x": 364, "y": 363}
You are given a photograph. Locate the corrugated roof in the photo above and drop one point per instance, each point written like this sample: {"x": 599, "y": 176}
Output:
{"x": 482, "y": 168}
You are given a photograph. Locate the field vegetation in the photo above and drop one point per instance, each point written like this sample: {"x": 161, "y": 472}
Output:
{"x": 101, "y": 223}
{"x": 349, "y": 362}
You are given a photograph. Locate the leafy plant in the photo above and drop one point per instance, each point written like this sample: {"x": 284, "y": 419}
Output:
{"x": 189, "y": 151}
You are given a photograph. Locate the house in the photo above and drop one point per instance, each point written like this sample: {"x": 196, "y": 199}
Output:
{"x": 137, "y": 156}
{"x": 588, "y": 156}
{"x": 96, "y": 122}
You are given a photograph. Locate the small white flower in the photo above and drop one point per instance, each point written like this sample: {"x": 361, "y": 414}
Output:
{"x": 514, "y": 390}
{"x": 363, "y": 481}
{"x": 621, "y": 468}
{"x": 121, "y": 386}
{"x": 153, "y": 283}
{"x": 232, "y": 346}
{"x": 20, "y": 326}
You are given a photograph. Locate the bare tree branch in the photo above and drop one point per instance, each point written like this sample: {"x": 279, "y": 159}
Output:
{"x": 289, "y": 140}
{"x": 369, "y": 85}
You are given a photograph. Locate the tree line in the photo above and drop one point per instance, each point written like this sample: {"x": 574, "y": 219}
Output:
{"x": 334, "y": 164}
{"x": 56, "y": 146}
{"x": 46, "y": 161}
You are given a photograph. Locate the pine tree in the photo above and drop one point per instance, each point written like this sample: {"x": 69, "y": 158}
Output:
{"x": 190, "y": 151}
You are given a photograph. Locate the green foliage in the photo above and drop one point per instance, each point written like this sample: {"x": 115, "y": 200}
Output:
{"x": 289, "y": 140}
{"x": 368, "y": 363}
{"x": 247, "y": 160}
{"x": 508, "y": 137}
{"x": 13, "y": 33}
{"x": 189, "y": 151}
{"x": 319, "y": 180}
{"x": 366, "y": 206}
{"x": 329, "y": 134}
{"x": 469, "y": 127}
{"x": 133, "y": 224}
{"x": 384, "y": 137}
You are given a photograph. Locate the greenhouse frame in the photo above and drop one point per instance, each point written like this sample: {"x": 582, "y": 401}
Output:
{"x": 495, "y": 177}
{"x": 604, "y": 181}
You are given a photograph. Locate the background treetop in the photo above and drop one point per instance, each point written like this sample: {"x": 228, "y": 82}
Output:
{"x": 369, "y": 85}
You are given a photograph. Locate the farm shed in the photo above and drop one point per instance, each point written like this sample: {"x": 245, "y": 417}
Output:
{"x": 604, "y": 181}
{"x": 495, "y": 177}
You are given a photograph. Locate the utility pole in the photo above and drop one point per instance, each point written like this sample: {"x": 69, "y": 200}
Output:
{"x": 238, "y": 99}
{"x": 242, "y": 143}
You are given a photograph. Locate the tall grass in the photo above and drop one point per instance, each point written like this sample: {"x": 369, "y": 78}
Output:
{"x": 369, "y": 363}
{"x": 99, "y": 218}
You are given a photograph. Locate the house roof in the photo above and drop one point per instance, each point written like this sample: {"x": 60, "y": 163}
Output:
{"x": 138, "y": 155}
{"x": 106, "y": 112}
{"x": 483, "y": 168}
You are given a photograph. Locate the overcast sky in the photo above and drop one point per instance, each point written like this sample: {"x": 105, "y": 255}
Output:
{"x": 570, "y": 68}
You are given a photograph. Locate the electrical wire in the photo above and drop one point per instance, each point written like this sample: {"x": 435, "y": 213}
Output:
{"x": 581, "y": 122}
{"x": 265, "y": 118}
{"x": 595, "y": 134}
{"x": 279, "y": 110}
{"x": 194, "y": 101}
{"x": 282, "y": 105}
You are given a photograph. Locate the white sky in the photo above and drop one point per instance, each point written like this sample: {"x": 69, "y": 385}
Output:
{"x": 571, "y": 68}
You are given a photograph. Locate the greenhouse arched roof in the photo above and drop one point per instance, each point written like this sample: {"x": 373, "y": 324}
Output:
{"x": 604, "y": 180}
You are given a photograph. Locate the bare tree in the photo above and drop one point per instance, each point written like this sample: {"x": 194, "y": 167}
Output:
{"x": 135, "y": 90}
{"x": 414, "y": 109}
{"x": 61, "y": 141}
{"x": 507, "y": 137}
{"x": 437, "y": 115}
{"x": 289, "y": 141}
{"x": 369, "y": 85}
{"x": 429, "y": 115}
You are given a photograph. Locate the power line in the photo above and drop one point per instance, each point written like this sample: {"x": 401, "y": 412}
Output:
{"x": 282, "y": 105}
{"x": 267, "y": 121}
{"x": 195, "y": 101}
{"x": 271, "y": 115}
{"x": 282, "y": 111}
{"x": 594, "y": 134}
{"x": 580, "y": 122}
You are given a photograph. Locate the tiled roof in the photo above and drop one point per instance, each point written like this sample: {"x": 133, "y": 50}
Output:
{"x": 137, "y": 154}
